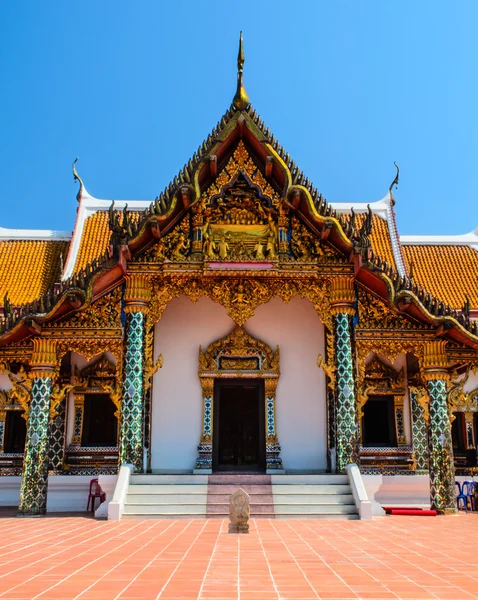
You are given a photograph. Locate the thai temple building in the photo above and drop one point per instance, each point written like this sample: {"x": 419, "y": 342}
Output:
{"x": 239, "y": 324}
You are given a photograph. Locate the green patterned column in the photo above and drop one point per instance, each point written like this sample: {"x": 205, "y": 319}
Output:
{"x": 419, "y": 430}
{"x": 342, "y": 299}
{"x": 442, "y": 470}
{"x": 33, "y": 492}
{"x": 137, "y": 296}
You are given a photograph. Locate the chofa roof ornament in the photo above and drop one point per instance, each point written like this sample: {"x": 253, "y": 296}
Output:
{"x": 241, "y": 99}
{"x": 76, "y": 177}
{"x": 394, "y": 183}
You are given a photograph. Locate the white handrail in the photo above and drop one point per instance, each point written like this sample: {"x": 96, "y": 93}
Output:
{"x": 116, "y": 506}
{"x": 363, "y": 504}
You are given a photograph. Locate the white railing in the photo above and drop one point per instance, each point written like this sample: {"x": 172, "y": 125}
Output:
{"x": 363, "y": 504}
{"x": 116, "y": 506}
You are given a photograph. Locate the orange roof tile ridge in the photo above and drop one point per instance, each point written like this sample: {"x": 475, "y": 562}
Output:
{"x": 465, "y": 239}
{"x": 34, "y": 234}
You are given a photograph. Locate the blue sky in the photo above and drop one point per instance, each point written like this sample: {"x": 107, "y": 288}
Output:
{"x": 133, "y": 88}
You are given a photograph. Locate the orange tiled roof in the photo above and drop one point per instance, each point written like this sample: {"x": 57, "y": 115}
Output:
{"x": 96, "y": 237}
{"x": 447, "y": 272}
{"x": 379, "y": 238}
{"x": 94, "y": 241}
{"x": 29, "y": 268}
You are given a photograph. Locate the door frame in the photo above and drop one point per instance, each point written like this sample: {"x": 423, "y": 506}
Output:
{"x": 219, "y": 385}
{"x": 238, "y": 356}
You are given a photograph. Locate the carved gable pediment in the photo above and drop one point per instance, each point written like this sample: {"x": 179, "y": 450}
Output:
{"x": 238, "y": 351}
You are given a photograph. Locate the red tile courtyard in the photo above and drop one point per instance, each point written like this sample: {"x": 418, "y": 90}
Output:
{"x": 391, "y": 557}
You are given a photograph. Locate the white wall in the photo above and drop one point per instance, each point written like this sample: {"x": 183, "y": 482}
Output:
{"x": 177, "y": 401}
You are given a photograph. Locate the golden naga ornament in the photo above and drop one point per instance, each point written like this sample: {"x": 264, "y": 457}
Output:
{"x": 58, "y": 393}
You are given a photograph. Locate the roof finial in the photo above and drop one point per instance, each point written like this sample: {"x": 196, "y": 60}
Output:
{"x": 394, "y": 183}
{"x": 241, "y": 99}
{"x": 76, "y": 177}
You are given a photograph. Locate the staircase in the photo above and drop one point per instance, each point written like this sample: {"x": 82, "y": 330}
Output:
{"x": 313, "y": 496}
{"x": 166, "y": 497}
{"x": 272, "y": 496}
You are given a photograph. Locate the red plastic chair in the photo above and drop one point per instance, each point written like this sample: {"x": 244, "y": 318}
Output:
{"x": 95, "y": 492}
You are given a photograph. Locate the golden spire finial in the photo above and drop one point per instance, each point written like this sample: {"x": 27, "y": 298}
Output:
{"x": 241, "y": 99}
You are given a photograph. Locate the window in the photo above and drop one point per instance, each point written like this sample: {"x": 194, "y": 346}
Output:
{"x": 100, "y": 426}
{"x": 378, "y": 423}
{"x": 15, "y": 432}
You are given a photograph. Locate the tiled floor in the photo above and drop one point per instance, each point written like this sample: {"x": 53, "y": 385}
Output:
{"x": 392, "y": 557}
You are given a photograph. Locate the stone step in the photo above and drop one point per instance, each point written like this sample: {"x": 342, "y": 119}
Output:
{"x": 313, "y": 499}
{"x": 222, "y": 507}
{"x": 309, "y": 479}
{"x": 328, "y": 516}
{"x": 249, "y": 488}
{"x": 140, "y": 498}
{"x": 167, "y": 489}
{"x": 311, "y": 489}
{"x": 340, "y": 509}
{"x": 255, "y": 498}
{"x": 239, "y": 479}
{"x": 151, "y": 479}
{"x": 163, "y": 509}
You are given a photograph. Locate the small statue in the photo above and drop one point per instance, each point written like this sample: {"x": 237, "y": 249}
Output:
{"x": 181, "y": 248}
{"x": 259, "y": 250}
{"x": 223, "y": 248}
{"x": 209, "y": 248}
{"x": 239, "y": 511}
{"x": 271, "y": 247}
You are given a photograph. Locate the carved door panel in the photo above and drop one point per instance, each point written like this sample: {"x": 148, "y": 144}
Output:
{"x": 239, "y": 428}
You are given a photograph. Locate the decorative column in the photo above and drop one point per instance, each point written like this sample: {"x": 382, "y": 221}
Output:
{"x": 78, "y": 418}
{"x": 420, "y": 417}
{"x": 273, "y": 459}
{"x": 442, "y": 471}
{"x": 33, "y": 492}
{"x": 204, "y": 459}
{"x": 137, "y": 298}
{"x": 342, "y": 299}
{"x": 3, "y": 417}
{"x": 398, "y": 402}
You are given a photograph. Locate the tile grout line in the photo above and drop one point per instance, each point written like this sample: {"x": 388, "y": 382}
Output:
{"x": 210, "y": 561}
{"x": 128, "y": 557}
{"x": 180, "y": 562}
{"x": 90, "y": 563}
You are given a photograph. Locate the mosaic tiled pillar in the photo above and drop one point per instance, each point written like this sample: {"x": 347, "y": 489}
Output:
{"x": 442, "y": 470}
{"x": 204, "y": 459}
{"x": 399, "y": 420}
{"x": 137, "y": 296}
{"x": 3, "y": 416}
{"x": 419, "y": 433}
{"x": 34, "y": 487}
{"x": 273, "y": 459}
{"x": 342, "y": 300}
{"x": 57, "y": 434}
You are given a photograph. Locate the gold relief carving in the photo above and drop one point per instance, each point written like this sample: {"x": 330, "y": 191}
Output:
{"x": 78, "y": 425}
{"x": 150, "y": 370}
{"x": 58, "y": 393}
{"x": 435, "y": 362}
{"x": 422, "y": 398}
{"x": 137, "y": 293}
{"x": 44, "y": 361}
{"x": 103, "y": 313}
{"x": 376, "y": 314}
{"x": 238, "y": 346}
{"x": 21, "y": 390}
{"x": 342, "y": 295}
{"x": 329, "y": 369}
{"x": 207, "y": 385}
{"x": 239, "y": 364}
{"x": 116, "y": 394}
{"x": 91, "y": 347}
{"x": 240, "y": 297}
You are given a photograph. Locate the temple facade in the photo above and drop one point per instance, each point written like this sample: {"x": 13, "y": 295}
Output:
{"x": 239, "y": 322}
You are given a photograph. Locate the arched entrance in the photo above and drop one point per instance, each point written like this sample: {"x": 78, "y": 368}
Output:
{"x": 239, "y": 376}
